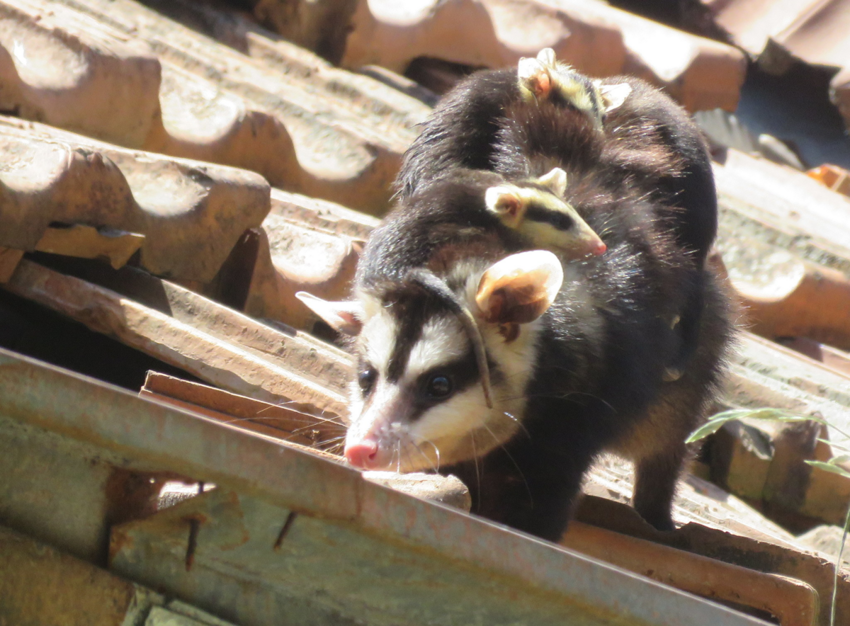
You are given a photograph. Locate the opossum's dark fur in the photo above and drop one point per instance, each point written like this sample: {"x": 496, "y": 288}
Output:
{"x": 650, "y": 142}
{"x": 463, "y": 132}
{"x": 606, "y": 342}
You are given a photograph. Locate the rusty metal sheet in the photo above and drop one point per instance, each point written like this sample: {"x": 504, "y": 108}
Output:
{"x": 42, "y": 586}
{"x": 314, "y": 567}
{"x": 349, "y": 544}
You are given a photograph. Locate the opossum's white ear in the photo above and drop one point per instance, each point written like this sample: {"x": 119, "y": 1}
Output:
{"x": 613, "y": 96}
{"x": 519, "y": 288}
{"x": 547, "y": 56}
{"x": 555, "y": 181}
{"x": 344, "y": 317}
{"x": 506, "y": 202}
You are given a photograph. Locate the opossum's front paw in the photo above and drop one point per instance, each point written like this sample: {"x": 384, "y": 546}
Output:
{"x": 536, "y": 76}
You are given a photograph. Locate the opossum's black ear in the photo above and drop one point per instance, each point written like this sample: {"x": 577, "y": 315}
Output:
{"x": 613, "y": 96}
{"x": 344, "y": 317}
{"x": 506, "y": 202}
{"x": 555, "y": 181}
{"x": 519, "y": 288}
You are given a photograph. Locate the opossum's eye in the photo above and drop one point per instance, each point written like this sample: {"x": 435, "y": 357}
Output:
{"x": 439, "y": 386}
{"x": 366, "y": 379}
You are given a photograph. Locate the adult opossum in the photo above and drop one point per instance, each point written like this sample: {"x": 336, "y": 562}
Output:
{"x": 509, "y": 366}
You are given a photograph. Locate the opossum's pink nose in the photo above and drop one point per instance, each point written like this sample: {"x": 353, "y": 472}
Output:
{"x": 362, "y": 454}
{"x": 600, "y": 248}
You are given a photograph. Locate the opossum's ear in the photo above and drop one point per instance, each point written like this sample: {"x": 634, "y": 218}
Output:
{"x": 555, "y": 181}
{"x": 344, "y": 317}
{"x": 506, "y": 202}
{"x": 613, "y": 96}
{"x": 519, "y": 288}
{"x": 547, "y": 56}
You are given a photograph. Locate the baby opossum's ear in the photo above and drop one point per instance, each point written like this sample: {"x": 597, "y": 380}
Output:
{"x": 555, "y": 181}
{"x": 506, "y": 202}
{"x": 344, "y": 317}
{"x": 613, "y": 96}
{"x": 519, "y": 288}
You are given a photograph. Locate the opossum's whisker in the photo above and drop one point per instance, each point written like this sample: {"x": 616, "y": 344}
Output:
{"x": 475, "y": 458}
{"x": 312, "y": 426}
{"x": 518, "y": 422}
{"x": 436, "y": 451}
{"x": 408, "y": 458}
{"x": 425, "y": 456}
{"x": 325, "y": 442}
{"x": 320, "y": 417}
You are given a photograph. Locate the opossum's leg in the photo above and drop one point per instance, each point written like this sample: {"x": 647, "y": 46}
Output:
{"x": 531, "y": 491}
{"x": 461, "y": 131}
{"x": 655, "y": 486}
{"x": 686, "y": 334}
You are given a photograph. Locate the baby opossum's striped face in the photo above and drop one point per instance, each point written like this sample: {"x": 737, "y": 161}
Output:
{"x": 418, "y": 398}
{"x": 539, "y": 213}
{"x": 546, "y": 78}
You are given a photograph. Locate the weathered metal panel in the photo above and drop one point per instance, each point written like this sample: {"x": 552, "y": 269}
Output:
{"x": 40, "y": 586}
{"x": 53, "y": 488}
{"x": 355, "y": 553}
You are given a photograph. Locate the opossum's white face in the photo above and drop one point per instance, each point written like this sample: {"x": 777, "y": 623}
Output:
{"x": 417, "y": 401}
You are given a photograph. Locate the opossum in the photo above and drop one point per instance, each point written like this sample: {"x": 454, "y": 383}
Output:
{"x": 468, "y": 129}
{"x": 512, "y": 367}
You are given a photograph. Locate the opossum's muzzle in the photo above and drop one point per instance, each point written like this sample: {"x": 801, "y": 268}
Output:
{"x": 376, "y": 437}
{"x": 363, "y": 454}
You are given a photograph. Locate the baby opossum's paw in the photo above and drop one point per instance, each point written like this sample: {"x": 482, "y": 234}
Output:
{"x": 537, "y": 76}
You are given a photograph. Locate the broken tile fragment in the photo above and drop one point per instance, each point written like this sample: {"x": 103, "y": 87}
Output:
{"x": 87, "y": 242}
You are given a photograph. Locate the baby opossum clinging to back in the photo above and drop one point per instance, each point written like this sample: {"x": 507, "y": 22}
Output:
{"x": 512, "y": 367}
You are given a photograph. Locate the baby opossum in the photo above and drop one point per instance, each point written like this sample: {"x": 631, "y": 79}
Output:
{"x": 468, "y": 129}
{"x": 507, "y": 366}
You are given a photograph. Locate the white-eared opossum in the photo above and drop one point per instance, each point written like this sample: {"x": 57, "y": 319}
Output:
{"x": 480, "y": 356}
